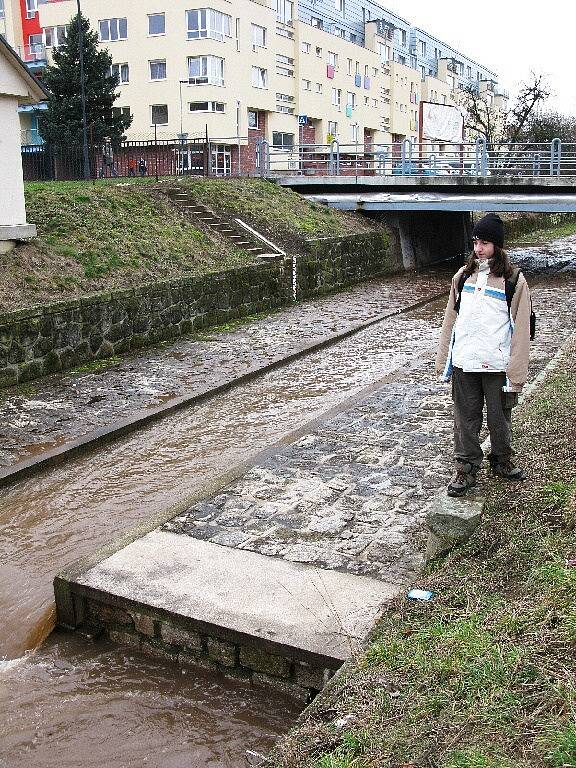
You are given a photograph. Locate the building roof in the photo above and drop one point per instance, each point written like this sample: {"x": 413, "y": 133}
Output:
{"x": 36, "y": 91}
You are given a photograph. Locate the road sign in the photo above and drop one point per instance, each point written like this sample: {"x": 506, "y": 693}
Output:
{"x": 302, "y": 119}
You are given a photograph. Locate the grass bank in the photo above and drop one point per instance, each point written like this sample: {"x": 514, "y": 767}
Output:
{"x": 484, "y": 675}
{"x": 115, "y": 234}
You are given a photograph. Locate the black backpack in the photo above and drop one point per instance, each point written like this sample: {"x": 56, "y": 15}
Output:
{"x": 509, "y": 288}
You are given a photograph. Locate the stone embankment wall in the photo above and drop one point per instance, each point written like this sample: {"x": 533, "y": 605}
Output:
{"x": 241, "y": 659}
{"x": 45, "y": 339}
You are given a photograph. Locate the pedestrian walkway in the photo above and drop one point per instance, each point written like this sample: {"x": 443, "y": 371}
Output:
{"x": 54, "y": 411}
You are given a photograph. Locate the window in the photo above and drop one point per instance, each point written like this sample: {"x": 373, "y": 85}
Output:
{"x": 284, "y": 65}
{"x": 336, "y": 97}
{"x": 159, "y": 114}
{"x": 54, "y": 36}
{"x": 284, "y": 97}
{"x": 2, "y": 11}
{"x": 422, "y": 48}
{"x": 258, "y": 36}
{"x": 349, "y": 66}
{"x": 157, "y": 69}
{"x": 253, "y": 119}
{"x": 316, "y": 22}
{"x": 306, "y": 85}
{"x": 351, "y": 99}
{"x": 354, "y": 132}
{"x": 384, "y": 51}
{"x": 206, "y": 106}
{"x": 339, "y": 32}
{"x": 156, "y": 24}
{"x": 282, "y": 140}
{"x": 206, "y": 22}
{"x": 318, "y": 51}
{"x": 205, "y": 70}
{"x": 318, "y": 87}
{"x": 112, "y": 29}
{"x": 284, "y": 109}
{"x": 284, "y": 11}
{"x": 333, "y": 59}
{"x": 339, "y": 5}
{"x": 121, "y": 72}
{"x": 403, "y": 37}
{"x": 469, "y": 73}
{"x": 259, "y": 77}
{"x": 121, "y": 112}
{"x": 306, "y": 47}
{"x": 31, "y": 8}
{"x": 332, "y": 129}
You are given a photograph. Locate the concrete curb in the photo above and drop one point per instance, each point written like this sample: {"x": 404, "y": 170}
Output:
{"x": 85, "y": 443}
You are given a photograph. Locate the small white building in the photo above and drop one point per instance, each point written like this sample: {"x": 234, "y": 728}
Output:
{"x": 17, "y": 86}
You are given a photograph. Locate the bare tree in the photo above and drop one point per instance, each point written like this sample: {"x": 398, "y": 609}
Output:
{"x": 495, "y": 125}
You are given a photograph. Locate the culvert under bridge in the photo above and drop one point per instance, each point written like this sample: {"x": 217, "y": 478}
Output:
{"x": 433, "y": 215}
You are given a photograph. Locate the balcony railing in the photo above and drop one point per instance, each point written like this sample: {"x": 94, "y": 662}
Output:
{"x": 35, "y": 53}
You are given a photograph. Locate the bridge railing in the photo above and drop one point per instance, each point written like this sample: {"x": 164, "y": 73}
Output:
{"x": 406, "y": 158}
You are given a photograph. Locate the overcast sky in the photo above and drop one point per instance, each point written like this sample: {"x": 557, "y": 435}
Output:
{"x": 510, "y": 37}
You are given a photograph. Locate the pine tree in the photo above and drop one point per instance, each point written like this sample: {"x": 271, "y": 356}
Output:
{"x": 61, "y": 123}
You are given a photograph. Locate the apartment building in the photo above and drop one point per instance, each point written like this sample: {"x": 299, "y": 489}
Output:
{"x": 286, "y": 71}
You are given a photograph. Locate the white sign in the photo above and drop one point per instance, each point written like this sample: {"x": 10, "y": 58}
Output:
{"x": 441, "y": 122}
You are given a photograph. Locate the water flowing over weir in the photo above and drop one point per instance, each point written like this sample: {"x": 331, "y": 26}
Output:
{"x": 71, "y": 703}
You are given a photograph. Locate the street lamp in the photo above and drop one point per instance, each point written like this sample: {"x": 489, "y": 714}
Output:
{"x": 181, "y": 83}
{"x": 182, "y": 136}
{"x": 85, "y": 156}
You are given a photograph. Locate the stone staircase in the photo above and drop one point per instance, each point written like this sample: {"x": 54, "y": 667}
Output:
{"x": 241, "y": 236}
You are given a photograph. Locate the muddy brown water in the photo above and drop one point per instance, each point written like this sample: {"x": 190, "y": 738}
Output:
{"x": 68, "y": 703}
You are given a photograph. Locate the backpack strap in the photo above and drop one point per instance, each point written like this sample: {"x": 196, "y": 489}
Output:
{"x": 459, "y": 288}
{"x": 510, "y": 286}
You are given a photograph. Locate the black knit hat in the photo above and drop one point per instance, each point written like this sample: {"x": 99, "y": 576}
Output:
{"x": 491, "y": 229}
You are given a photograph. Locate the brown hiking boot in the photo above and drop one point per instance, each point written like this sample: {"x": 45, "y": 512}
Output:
{"x": 463, "y": 479}
{"x": 508, "y": 470}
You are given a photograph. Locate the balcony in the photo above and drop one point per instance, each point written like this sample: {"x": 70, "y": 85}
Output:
{"x": 30, "y": 137}
{"x": 34, "y": 56}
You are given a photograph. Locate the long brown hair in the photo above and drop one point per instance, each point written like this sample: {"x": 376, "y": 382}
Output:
{"x": 500, "y": 264}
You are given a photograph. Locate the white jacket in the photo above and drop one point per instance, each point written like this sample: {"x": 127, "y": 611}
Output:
{"x": 482, "y": 332}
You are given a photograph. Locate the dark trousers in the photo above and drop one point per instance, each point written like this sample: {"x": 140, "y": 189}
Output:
{"x": 469, "y": 392}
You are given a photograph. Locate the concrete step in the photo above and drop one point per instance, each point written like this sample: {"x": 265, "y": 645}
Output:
{"x": 238, "y": 604}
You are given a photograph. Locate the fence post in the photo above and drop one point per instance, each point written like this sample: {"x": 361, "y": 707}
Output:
{"x": 335, "y": 157}
{"x": 555, "y": 156}
{"x": 481, "y": 156}
{"x": 406, "y": 157}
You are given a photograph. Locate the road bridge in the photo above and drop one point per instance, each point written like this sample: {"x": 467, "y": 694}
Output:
{"x": 432, "y": 215}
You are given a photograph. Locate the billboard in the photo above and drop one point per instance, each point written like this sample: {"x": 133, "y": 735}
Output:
{"x": 441, "y": 122}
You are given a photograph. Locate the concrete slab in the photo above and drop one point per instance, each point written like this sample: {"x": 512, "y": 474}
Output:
{"x": 291, "y": 606}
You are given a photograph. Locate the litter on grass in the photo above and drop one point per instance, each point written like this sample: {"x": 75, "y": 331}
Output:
{"x": 420, "y": 594}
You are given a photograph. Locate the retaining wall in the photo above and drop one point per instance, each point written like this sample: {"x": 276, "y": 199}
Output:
{"x": 193, "y": 643}
{"x": 45, "y": 339}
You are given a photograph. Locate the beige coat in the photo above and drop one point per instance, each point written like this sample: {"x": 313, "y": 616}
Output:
{"x": 517, "y": 365}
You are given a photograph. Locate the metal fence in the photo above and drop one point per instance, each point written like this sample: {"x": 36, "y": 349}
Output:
{"x": 241, "y": 156}
{"x": 425, "y": 159}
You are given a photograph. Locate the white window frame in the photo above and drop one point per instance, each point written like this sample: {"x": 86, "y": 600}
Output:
{"x": 259, "y": 35}
{"x": 209, "y": 24}
{"x": 259, "y": 77}
{"x": 210, "y": 70}
{"x": 285, "y": 11}
{"x": 57, "y": 33}
{"x": 151, "y": 64}
{"x": 113, "y": 25}
{"x": 154, "y": 16}
{"x": 31, "y": 8}
{"x": 253, "y": 119}
{"x": 333, "y": 59}
{"x": 283, "y": 144}
{"x": 211, "y": 106}
{"x": 122, "y": 71}
{"x": 333, "y": 128}
{"x": 337, "y": 97}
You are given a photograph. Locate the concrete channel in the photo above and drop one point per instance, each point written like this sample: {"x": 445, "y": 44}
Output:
{"x": 325, "y": 492}
{"x": 278, "y": 577}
